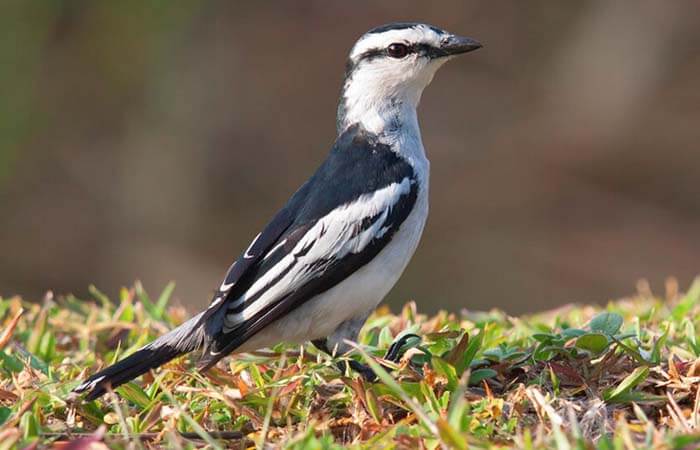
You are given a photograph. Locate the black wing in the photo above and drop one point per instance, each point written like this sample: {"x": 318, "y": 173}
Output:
{"x": 336, "y": 223}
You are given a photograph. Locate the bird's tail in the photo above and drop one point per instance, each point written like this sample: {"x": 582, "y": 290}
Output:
{"x": 186, "y": 338}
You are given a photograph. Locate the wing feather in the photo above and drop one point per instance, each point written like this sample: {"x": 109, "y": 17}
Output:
{"x": 330, "y": 250}
{"x": 336, "y": 223}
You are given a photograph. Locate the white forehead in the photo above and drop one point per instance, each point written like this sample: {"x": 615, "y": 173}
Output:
{"x": 418, "y": 33}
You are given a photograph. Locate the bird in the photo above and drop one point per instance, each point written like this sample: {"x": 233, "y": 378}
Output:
{"x": 333, "y": 252}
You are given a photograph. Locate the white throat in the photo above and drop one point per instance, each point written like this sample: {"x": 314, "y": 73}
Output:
{"x": 386, "y": 106}
{"x": 381, "y": 107}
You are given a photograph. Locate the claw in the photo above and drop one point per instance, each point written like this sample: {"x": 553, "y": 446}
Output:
{"x": 393, "y": 354}
{"x": 396, "y": 349}
{"x": 365, "y": 371}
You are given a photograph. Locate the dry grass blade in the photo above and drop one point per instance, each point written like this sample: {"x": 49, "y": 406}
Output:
{"x": 675, "y": 411}
{"x": 9, "y": 329}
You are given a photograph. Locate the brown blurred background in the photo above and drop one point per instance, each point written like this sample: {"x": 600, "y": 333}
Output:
{"x": 152, "y": 140}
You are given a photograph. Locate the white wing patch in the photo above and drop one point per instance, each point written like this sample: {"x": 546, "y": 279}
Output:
{"x": 332, "y": 237}
{"x": 216, "y": 301}
{"x": 247, "y": 254}
{"x": 275, "y": 248}
{"x": 224, "y": 285}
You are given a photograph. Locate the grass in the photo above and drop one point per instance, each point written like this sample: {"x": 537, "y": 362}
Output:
{"x": 579, "y": 377}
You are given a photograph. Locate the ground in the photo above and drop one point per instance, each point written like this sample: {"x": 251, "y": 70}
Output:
{"x": 623, "y": 376}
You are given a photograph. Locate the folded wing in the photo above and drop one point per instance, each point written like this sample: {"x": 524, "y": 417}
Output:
{"x": 338, "y": 222}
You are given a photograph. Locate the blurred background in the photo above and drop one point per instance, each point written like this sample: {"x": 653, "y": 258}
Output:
{"x": 152, "y": 141}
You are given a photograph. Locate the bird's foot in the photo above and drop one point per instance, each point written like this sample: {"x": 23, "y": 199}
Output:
{"x": 397, "y": 348}
{"x": 364, "y": 370}
{"x": 393, "y": 354}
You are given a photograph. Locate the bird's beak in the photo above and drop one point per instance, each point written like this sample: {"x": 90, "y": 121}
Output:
{"x": 455, "y": 45}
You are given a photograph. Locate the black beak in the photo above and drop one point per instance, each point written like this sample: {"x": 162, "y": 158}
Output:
{"x": 455, "y": 45}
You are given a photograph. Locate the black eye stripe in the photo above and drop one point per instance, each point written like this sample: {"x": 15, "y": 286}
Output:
{"x": 382, "y": 51}
{"x": 428, "y": 50}
{"x": 421, "y": 49}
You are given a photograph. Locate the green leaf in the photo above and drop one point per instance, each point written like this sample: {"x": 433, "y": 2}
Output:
{"x": 452, "y": 437}
{"x": 689, "y": 300}
{"x": 605, "y": 443}
{"x": 659, "y": 345}
{"x": 102, "y": 298}
{"x": 544, "y": 338}
{"x": 47, "y": 346}
{"x": 29, "y": 425}
{"x": 474, "y": 345}
{"x": 11, "y": 362}
{"x": 638, "y": 397}
{"x": 630, "y": 351}
{"x": 385, "y": 338}
{"x": 504, "y": 352}
{"x": 5, "y": 413}
{"x": 91, "y": 412}
{"x": 593, "y": 342}
{"x": 145, "y": 300}
{"x": 134, "y": 393}
{"x": 454, "y": 356}
{"x": 4, "y": 306}
{"x": 446, "y": 370}
{"x": 127, "y": 306}
{"x": 478, "y": 375}
{"x": 685, "y": 441}
{"x": 458, "y": 405}
{"x": 430, "y": 398}
{"x": 606, "y": 323}
{"x": 37, "y": 333}
{"x": 555, "y": 380}
{"x": 413, "y": 389}
{"x": 373, "y": 406}
{"x": 543, "y": 352}
{"x": 571, "y": 333}
{"x": 34, "y": 362}
{"x": 164, "y": 298}
{"x": 632, "y": 380}
{"x": 691, "y": 337}
{"x": 256, "y": 375}
{"x": 439, "y": 345}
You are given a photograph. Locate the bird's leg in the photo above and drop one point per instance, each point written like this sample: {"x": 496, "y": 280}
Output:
{"x": 335, "y": 344}
{"x": 348, "y": 330}
{"x": 343, "y": 365}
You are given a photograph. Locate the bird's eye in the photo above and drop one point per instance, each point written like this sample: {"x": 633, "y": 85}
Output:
{"x": 397, "y": 50}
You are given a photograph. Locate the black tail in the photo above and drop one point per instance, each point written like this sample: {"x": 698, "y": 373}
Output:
{"x": 125, "y": 370}
{"x": 187, "y": 337}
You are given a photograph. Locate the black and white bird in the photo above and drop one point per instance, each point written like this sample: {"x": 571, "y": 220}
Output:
{"x": 331, "y": 254}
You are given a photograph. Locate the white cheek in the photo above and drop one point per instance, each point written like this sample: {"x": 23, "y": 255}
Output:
{"x": 398, "y": 71}
{"x": 377, "y": 88}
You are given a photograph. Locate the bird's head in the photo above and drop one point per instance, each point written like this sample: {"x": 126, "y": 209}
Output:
{"x": 389, "y": 67}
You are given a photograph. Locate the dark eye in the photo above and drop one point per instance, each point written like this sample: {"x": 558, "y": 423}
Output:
{"x": 397, "y": 50}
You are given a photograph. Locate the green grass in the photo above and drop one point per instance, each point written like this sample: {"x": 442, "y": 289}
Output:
{"x": 579, "y": 377}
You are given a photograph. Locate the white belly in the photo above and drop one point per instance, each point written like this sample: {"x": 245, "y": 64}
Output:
{"x": 361, "y": 292}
